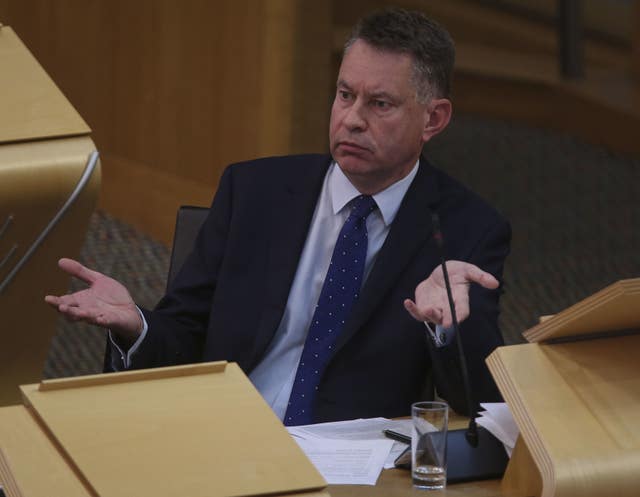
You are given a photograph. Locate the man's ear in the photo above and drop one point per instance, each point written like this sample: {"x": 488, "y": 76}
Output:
{"x": 439, "y": 114}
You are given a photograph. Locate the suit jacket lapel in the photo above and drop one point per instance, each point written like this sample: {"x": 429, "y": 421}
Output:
{"x": 410, "y": 230}
{"x": 290, "y": 215}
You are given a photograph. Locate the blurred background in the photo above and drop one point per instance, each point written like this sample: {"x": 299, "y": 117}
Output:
{"x": 547, "y": 125}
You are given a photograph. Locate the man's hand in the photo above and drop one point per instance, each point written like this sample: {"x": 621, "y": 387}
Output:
{"x": 431, "y": 303}
{"x": 106, "y": 302}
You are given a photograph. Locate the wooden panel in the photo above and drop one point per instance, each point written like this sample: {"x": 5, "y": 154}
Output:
{"x": 565, "y": 107}
{"x": 635, "y": 42}
{"x": 183, "y": 88}
{"x": 207, "y": 78}
{"x": 210, "y": 443}
{"x": 36, "y": 179}
{"x": 68, "y": 38}
{"x": 613, "y": 308}
{"x": 147, "y": 197}
{"x": 35, "y": 463}
{"x": 575, "y": 405}
{"x": 397, "y": 483}
{"x": 30, "y": 465}
{"x": 32, "y": 106}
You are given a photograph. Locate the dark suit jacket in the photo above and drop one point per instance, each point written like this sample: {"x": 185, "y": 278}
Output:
{"x": 227, "y": 301}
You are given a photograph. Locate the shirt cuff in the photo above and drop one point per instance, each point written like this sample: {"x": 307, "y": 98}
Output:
{"x": 440, "y": 336}
{"x": 119, "y": 358}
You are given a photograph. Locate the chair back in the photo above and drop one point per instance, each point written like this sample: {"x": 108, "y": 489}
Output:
{"x": 189, "y": 220}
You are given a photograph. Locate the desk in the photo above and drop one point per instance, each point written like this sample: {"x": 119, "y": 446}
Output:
{"x": 392, "y": 482}
{"x": 397, "y": 482}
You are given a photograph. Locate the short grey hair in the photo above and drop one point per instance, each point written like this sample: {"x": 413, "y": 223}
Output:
{"x": 409, "y": 32}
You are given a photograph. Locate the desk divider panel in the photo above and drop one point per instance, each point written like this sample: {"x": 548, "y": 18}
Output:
{"x": 49, "y": 185}
{"x": 198, "y": 430}
{"x": 30, "y": 464}
{"x": 575, "y": 395}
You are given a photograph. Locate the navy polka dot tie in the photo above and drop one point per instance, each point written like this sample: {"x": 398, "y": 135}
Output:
{"x": 339, "y": 291}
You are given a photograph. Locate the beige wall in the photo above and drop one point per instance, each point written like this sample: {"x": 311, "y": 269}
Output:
{"x": 174, "y": 91}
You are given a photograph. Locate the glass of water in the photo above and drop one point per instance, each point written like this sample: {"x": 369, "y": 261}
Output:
{"x": 429, "y": 445}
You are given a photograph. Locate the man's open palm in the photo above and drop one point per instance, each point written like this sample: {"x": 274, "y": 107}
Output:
{"x": 431, "y": 303}
{"x": 105, "y": 302}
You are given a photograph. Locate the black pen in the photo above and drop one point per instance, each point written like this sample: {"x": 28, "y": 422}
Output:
{"x": 398, "y": 437}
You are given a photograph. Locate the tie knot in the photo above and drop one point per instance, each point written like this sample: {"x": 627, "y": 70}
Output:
{"x": 362, "y": 206}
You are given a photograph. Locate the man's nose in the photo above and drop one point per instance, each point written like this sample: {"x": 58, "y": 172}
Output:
{"x": 355, "y": 118}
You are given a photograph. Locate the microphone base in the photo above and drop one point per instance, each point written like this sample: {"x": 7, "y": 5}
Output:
{"x": 466, "y": 463}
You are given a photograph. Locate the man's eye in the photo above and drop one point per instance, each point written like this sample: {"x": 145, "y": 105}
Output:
{"x": 381, "y": 104}
{"x": 344, "y": 95}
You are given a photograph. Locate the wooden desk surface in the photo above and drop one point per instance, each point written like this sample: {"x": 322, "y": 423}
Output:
{"x": 397, "y": 482}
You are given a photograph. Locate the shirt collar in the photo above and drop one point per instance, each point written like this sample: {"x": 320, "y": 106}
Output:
{"x": 388, "y": 200}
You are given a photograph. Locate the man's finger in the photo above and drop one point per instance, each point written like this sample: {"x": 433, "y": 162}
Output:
{"x": 432, "y": 314}
{"x": 447, "y": 320}
{"x": 52, "y": 300}
{"x": 63, "y": 300}
{"x": 412, "y": 309}
{"x": 79, "y": 314}
{"x": 482, "y": 278}
{"x": 74, "y": 268}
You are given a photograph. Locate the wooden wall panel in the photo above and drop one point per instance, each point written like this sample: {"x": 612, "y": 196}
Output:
{"x": 314, "y": 76}
{"x": 174, "y": 91}
{"x": 635, "y": 41}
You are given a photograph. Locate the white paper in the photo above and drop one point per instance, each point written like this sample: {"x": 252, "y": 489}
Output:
{"x": 498, "y": 420}
{"x": 343, "y": 462}
{"x": 404, "y": 426}
{"x": 397, "y": 449}
{"x": 358, "y": 429}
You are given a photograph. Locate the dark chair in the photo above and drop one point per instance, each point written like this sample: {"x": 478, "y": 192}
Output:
{"x": 188, "y": 223}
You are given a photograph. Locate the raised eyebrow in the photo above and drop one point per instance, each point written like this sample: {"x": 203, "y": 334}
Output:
{"x": 341, "y": 84}
{"x": 382, "y": 96}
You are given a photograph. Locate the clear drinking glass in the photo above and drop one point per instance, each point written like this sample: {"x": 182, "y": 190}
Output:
{"x": 429, "y": 445}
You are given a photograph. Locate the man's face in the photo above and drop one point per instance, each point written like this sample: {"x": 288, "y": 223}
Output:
{"x": 377, "y": 126}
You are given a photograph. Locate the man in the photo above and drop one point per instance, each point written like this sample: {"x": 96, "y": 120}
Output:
{"x": 274, "y": 281}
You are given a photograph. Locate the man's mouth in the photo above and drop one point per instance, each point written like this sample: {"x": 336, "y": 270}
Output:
{"x": 352, "y": 147}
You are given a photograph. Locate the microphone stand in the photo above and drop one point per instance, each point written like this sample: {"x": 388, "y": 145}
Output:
{"x": 471, "y": 434}
{"x": 473, "y": 454}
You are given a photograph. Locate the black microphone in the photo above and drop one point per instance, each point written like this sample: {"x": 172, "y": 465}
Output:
{"x": 471, "y": 434}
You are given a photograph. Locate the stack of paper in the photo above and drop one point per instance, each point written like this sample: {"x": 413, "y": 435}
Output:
{"x": 498, "y": 420}
{"x": 351, "y": 452}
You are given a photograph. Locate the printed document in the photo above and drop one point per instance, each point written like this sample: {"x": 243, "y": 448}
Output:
{"x": 359, "y": 445}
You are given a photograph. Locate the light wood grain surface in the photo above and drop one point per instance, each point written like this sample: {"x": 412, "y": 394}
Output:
{"x": 397, "y": 483}
{"x": 34, "y": 456}
{"x": 32, "y": 105}
{"x": 576, "y": 405}
{"x": 202, "y": 435}
{"x": 611, "y": 309}
{"x": 36, "y": 179}
{"x": 30, "y": 466}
